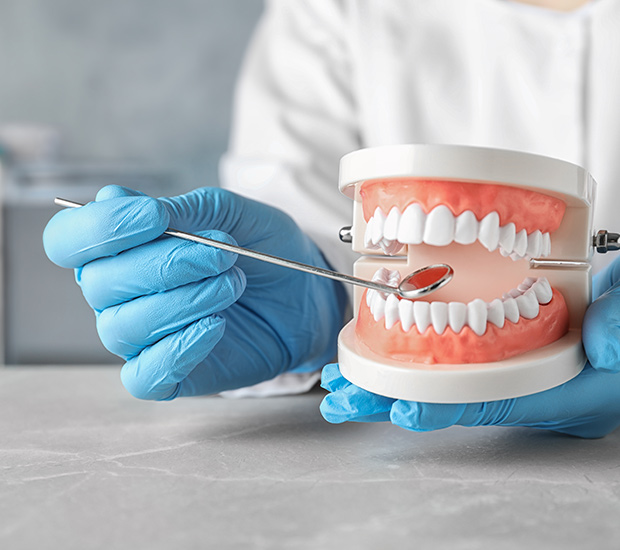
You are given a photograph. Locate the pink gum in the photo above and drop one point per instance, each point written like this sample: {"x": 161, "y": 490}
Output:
{"x": 465, "y": 347}
{"x": 527, "y": 209}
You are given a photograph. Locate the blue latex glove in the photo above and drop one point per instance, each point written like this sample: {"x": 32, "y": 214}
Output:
{"x": 190, "y": 319}
{"x": 586, "y": 406}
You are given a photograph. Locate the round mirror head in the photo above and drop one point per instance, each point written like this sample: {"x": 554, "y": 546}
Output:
{"x": 425, "y": 280}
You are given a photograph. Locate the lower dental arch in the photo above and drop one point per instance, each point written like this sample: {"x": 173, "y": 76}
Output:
{"x": 523, "y": 301}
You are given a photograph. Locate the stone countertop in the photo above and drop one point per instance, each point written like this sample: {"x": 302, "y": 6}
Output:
{"x": 84, "y": 465}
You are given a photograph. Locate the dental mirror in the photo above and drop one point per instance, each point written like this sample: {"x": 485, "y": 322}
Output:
{"x": 415, "y": 285}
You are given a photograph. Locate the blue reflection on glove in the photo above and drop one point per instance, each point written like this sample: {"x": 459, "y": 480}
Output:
{"x": 189, "y": 319}
{"x": 586, "y": 406}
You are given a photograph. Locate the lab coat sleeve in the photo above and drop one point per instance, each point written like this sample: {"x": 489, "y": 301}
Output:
{"x": 294, "y": 118}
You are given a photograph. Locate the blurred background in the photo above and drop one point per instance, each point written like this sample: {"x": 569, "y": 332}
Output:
{"x": 131, "y": 92}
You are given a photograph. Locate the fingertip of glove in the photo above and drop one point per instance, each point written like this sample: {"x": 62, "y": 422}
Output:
{"x": 116, "y": 191}
{"x": 425, "y": 417}
{"x": 331, "y": 379}
{"x": 331, "y": 410}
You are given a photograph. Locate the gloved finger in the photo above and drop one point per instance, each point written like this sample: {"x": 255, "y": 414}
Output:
{"x": 116, "y": 191}
{"x": 331, "y": 379}
{"x": 601, "y": 331}
{"x": 159, "y": 370}
{"x": 128, "y": 328}
{"x": 606, "y": 279}
{"x": 76, "y": 236}
{"x": 586, "y": 406}
{"x": 160, "y": 265}
{"x": 352, "y": 403}
{"x": 247, "y": 221}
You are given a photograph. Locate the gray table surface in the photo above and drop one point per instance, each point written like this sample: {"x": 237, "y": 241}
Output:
{"x": 85, "y": 465}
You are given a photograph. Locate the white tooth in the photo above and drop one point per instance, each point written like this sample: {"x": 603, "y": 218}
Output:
{"x": 546, "y": 248}
{"x": 369, "y": 294}
{"x": 457, "y": 316}
{"x": 378, "y": 307}
{"x": 368, "y": 233}
{"x": 515, "y": 257}
{"x": 405, "y": 311}
{"x": 422, "y": 315}
{"x": 439, "y": 228}
{"x": 390, "y": 247}
{"x": 514, "y": 293}
{"x": 520, "y": 243}
{"x": 393, "y": 278}
{"x": 504, "y": 252}
{"x": 526, "y": 284}
{"x": 374, "y": 298}
{"x": 377, "y": 228}
{"x": 390, "y": 230}
{"x": 391, "y": 311}
{"x": 511, "y": 310}
{"x": 466, "y": 228}
{"x": 528, "y": 305}
{"x": 507, "y": 235}
{"x": 477, "y": 316}
{"x": 439, "y": 316}
{"x": 495, "y": 313}
{"x": 543, "y": 291}
{"x": 382, "y": 275}
{"x": 411, "y": 226}
{"x": 534, "y": 244}
{"x": 488, "y": 234}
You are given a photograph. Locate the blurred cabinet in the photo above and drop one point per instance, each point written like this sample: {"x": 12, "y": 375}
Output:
{"x": 45, "y": 318}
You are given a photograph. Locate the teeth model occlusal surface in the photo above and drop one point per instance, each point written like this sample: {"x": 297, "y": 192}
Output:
{"x": 523, "y": 301}
{"x": 440, "y": 227}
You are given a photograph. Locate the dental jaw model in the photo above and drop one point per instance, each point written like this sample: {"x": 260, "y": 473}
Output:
{"x": 506, "y": 325}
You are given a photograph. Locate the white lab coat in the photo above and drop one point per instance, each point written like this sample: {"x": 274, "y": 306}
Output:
{"x": 325, "y": 77}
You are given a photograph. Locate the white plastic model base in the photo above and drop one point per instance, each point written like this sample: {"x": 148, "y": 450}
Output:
{"x": 478, "y": 272}
{"x": 532, "y": 372}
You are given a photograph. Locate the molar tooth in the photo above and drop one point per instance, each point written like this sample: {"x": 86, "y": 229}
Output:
{"x": 391, "y": 311}
{"x": 546, "y": 246}
{"x": 511, "y": 310}
{"x": 543, "y": 291}
{"x": 439, "y": 228}
{"x": 520, "y": 243}
{"x": 439, "y": 316}
{"x": 534, "y": 244}
{"x": 507, "y": 236}
{"x": 390, "y": 247}
{"x": 513, "y": 293}
{"x": 528, "y": 305}
{"x": 382, "y": 275}
{"x": 405, "y": 311}
{"x": 390, "y": 229}
{"x": 526, "y": 284}
{"x": 466, "y": 228}
{"x": 477, "y": 316}
{"x": 422, "y": 315}
{"x": 488, "y": 233}
{"x": 495, "y": 313}
{"x": 377, "y": 229}
{"x": 411, "y": 226}
{"x": 457, "y": 316}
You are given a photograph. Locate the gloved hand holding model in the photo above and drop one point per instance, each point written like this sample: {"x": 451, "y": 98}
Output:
{"x": 586, "y": 406}
{"x": 189, "y": 319}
